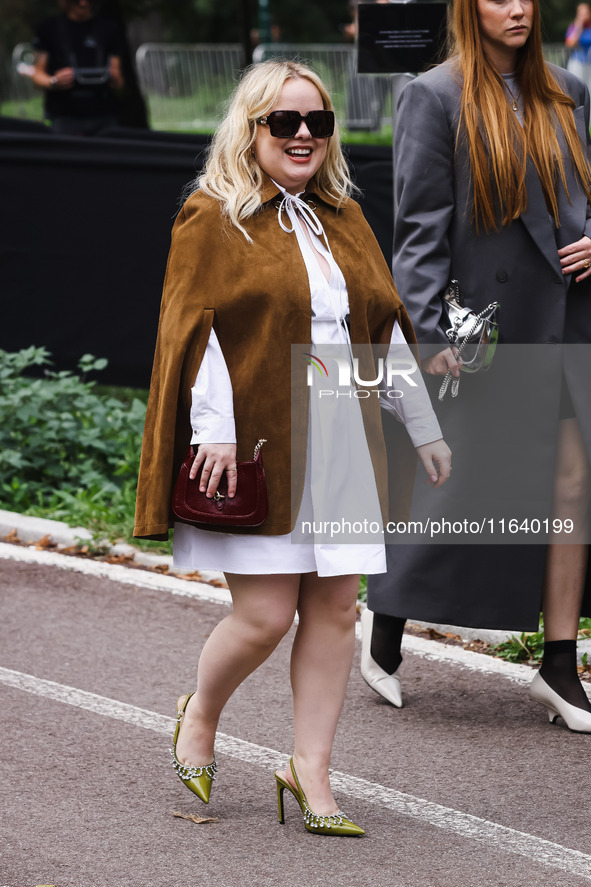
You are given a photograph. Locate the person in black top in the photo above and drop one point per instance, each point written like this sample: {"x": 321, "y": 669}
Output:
{"x": 78, "y": 65}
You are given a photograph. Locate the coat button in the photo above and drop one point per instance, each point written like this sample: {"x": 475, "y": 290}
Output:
{"x": 502, "y": 275}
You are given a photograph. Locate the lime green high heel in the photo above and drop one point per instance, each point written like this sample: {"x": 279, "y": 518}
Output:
{"x": 335, "y": 824}
{"x": 197, "y": 779}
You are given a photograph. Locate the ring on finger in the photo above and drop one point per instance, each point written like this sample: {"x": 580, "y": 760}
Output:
{"x": 587, "y": 263}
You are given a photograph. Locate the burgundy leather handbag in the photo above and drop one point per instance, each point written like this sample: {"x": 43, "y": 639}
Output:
{"x": 248, "y": 508}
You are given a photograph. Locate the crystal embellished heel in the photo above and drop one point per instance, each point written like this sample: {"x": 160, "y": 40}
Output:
{"x": 335, "y": 824}
{"x": 197, "y": 779}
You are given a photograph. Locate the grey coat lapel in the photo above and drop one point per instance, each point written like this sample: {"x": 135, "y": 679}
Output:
{"x": 538, "y": 220}
{"x": 572, "y": 209}
{"x": 573, "y": 212}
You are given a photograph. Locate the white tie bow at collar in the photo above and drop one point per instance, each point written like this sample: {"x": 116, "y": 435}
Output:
{"x": 292, "y": 204}
{"x": 300, "y": 213}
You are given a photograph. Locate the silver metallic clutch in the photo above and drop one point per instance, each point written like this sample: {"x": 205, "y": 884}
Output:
{"x": 474, "y": 336}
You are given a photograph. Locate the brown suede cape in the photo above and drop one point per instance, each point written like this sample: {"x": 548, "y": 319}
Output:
{"x": 257, "y": 298}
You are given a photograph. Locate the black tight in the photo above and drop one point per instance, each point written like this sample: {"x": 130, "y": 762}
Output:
{"x": 559, "y": 670}
{"x": 386, "y": 639}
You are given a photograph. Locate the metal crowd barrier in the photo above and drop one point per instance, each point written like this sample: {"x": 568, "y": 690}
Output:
{"x": 557, "y": 53}
{"x": 19, "y": 88}
{"x": 186, "y": 86}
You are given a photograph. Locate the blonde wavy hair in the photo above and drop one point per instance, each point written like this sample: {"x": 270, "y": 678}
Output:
{"x": 232, "y": 174}
{"x": 498, "y": 145}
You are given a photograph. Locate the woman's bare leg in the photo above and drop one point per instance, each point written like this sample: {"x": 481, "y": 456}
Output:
{"x": 566, "y": 562}
{"x": 263, "y": 612}
{"x": 320, "y": 666}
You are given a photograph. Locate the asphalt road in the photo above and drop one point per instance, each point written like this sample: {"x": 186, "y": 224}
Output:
{"x": 468, "y": 784}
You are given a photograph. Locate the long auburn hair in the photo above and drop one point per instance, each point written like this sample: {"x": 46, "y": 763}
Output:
{"x": 232, "y": 174}
{"x": 498, "y": 144}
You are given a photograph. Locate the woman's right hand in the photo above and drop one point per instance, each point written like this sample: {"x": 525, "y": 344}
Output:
{"x": 215, "y": 458}
{"x": 440, "y": 363}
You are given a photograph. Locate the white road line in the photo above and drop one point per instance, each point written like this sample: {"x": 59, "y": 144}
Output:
{"x": 427, "y": 649}
{"x": 500, "y": 837}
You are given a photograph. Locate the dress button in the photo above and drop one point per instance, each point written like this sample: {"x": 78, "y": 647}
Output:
{"x": 502, "y": 275}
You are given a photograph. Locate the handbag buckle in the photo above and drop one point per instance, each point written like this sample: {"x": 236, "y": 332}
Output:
{"x": 217, "y": 496}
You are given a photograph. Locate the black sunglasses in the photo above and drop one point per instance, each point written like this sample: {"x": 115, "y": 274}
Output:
{"x": 285, "y": 124}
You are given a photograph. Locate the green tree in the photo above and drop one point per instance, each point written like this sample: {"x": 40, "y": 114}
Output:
{"x": 199, "y": 21}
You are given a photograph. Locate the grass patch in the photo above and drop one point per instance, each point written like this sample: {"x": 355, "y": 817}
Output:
{"x": 30, "y": 109}
{"x": 528, "y": 646}
{"x": 362, "y": 595}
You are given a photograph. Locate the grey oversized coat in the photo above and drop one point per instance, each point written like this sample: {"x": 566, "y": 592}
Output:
{"x": 518, "y": 266}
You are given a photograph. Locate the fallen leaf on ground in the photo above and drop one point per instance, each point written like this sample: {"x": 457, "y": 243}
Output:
{"x": 477, "y": 646}
{"x": 193, "y": 576}
{"x": 119, "y": 558}
{"x": 42, "y": 543}
{"x": 198, "y": 819}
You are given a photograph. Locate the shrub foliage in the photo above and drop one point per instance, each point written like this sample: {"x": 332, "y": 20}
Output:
{"x": 66, "y": 450}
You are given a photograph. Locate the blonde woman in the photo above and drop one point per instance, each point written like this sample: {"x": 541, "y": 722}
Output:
{"x": 493, "y": 189}
{"x": 266, "y": 253}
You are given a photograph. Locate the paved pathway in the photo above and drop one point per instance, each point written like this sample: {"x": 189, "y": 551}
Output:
{"x": 468, "y": 784}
